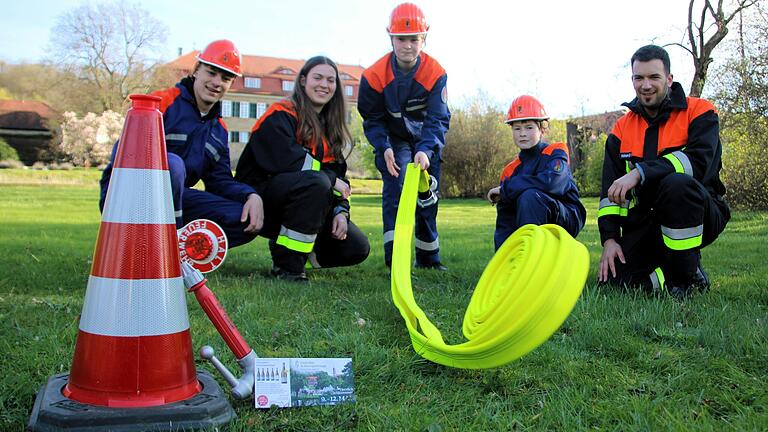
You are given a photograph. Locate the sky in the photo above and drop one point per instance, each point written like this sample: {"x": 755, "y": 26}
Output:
{"x": 571, "y": 55}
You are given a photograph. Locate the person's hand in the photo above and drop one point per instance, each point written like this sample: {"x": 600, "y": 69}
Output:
{"x": 422, "y": 160}
{"x": 494, "y": 195}
{"x": 339, "y": 227}
{"x": 343, "y": 188}
{"x": 611, "y": 251}
{"x": 618, "y": 191}
{"x": 253, "y": 212}
{"x": 389, "y": 159}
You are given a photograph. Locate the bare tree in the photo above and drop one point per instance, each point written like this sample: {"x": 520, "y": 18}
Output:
{"x": 706, "y": 29}
{"x": 110, "y": 46}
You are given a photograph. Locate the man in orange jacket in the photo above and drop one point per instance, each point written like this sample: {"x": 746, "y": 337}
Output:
{"x": 661, "y": 199}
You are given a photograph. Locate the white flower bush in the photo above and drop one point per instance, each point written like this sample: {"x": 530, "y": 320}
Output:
{"x": 88, "y": 141}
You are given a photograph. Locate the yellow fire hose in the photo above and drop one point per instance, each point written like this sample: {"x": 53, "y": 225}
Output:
{"x": 525, "y": 293}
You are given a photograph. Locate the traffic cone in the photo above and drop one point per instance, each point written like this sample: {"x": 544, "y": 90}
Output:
{"x": 134, "y": 348}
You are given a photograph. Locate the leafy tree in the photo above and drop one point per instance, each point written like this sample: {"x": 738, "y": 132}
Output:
{"x": 34, "y": 82}
{"x": 740, "y": 85}
{"x": 110, "y": 48}
{"x": 707, "y": 27}
{"x": 348, "y": 375}
{"x": 741, "y": 95}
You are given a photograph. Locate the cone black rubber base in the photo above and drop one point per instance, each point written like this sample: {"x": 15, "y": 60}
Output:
{"x": 54, "y": 412}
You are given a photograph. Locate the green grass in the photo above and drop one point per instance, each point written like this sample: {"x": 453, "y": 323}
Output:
{"x": 620, "y": 361}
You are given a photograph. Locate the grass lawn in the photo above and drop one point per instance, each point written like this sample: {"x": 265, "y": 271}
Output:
{"x": 620, "y": 361}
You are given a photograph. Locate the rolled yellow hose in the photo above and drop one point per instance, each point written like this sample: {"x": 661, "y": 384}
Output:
{"x": 525, "y": 293}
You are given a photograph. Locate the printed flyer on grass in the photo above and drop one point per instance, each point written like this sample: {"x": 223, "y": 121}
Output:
{"x": 296, "y": 382}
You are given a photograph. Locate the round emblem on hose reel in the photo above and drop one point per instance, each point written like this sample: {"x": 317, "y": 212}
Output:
{"x": 203, "y": 244}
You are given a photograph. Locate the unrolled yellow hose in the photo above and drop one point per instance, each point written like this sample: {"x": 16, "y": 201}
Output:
{"x": 525, "y": 293}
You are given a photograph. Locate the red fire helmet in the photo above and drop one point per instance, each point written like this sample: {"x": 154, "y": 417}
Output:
{"x": 526, "y": 108}
{"x": 221, "y": 54}
{"x": 407, "y": 19}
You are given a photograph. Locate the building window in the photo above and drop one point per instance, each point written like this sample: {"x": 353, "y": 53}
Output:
{"x": 349, "y": 90}
{"x": 345, "y": 76}
{"x": 233, "y": 137}
{"x": 261, "y": 108}
{"x": 226, "y": 108}
{"x": 252, "y": 82}
{"x": 252, "y": 111}
{"x": 235, "y": 109}
{"x": 243, "y": 137}
{"x": 287, "y": 86}
{"x": 244, "y": 110}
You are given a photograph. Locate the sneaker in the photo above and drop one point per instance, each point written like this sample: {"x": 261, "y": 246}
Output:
{"x": 432, "y": 266}
{"x": 289, "y": 276}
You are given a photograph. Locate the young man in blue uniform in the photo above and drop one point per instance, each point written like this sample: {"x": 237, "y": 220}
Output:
{"x": 537, "y": 186}
{"x": 402, "y": 100}
{"x": 197, "y": 143}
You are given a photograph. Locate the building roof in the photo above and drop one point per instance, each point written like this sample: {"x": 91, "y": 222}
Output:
{"x": 258, "y": 66}
{"x": 27, "y": 115}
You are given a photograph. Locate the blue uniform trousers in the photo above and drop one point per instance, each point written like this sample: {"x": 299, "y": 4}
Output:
{"x": 427, "y": 243}
{"x": 190, "y": 204}
{"x": 534, "y": 207}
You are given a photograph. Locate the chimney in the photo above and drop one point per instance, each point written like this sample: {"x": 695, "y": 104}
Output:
{"x": 179, "y": 52}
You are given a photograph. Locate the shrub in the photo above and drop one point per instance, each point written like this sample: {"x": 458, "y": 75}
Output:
{"x": 589, "y": 175}
{"x": 745, "y": 137}
{"x": 361, "y": 162}
{"x": 7, "y": 153}
{"x": 478, "y": 146}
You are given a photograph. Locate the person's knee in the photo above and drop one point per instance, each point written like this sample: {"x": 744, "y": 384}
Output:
{"x": 361, "y": 251}
{"x": 531, "y": 198}
{"x": 676, "y": 181}
{"x": 679, "y": 188}
{"x": 317, "y": 182}
{"x": 177, "y": 170}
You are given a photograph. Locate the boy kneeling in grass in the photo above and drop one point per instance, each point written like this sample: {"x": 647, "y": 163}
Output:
{"x": 537, "y": 186}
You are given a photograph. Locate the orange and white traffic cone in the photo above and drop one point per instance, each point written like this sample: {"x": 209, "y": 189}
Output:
{"x": 134, "y": 348}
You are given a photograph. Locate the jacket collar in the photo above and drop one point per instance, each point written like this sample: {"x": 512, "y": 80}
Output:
{"x": 186, "y": 85}
{"x": 397, "y": 71}
{"x": 675, "y": 100}
{"x": 533, "y": 151}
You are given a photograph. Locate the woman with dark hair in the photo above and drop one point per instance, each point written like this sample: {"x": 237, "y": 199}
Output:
{"x": 294, "y": 159}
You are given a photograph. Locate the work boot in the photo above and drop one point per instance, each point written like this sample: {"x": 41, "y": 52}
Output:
{"x": 699, "y": 283}
{"x": 289, "y": 276}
